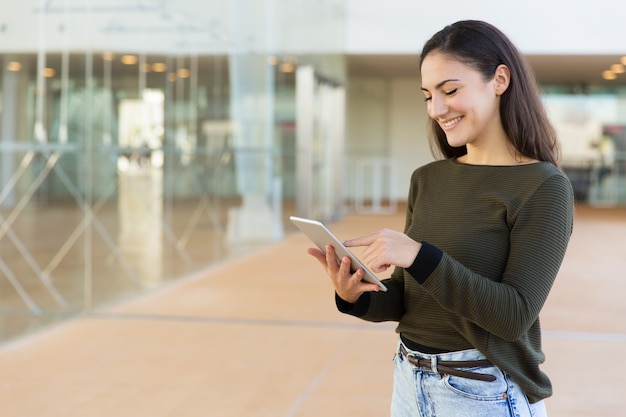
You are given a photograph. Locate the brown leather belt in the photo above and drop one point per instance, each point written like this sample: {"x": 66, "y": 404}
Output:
{"x": 450, "y": 367}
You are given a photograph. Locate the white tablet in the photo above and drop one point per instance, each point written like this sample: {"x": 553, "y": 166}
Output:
{"x": 321, "y": 236}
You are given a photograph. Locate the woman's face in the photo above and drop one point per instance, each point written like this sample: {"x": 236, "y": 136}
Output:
{"x": 461, "y": 101}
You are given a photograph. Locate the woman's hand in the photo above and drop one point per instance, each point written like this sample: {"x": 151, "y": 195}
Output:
{"x": 349, "y": 286}
{"x": 385, "y": 248}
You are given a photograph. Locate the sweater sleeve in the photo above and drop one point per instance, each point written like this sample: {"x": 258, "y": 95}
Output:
{"x": 538, "y": 241}
{"x": 377, "y": 306}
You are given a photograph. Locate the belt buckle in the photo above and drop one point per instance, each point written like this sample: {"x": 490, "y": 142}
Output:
{"x": 415, "y": 360}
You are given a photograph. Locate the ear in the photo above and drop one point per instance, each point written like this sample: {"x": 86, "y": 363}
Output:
{"x": 501, "y": 79}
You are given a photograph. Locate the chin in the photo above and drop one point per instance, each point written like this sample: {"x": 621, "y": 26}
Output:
{"x": 456, "y": 143}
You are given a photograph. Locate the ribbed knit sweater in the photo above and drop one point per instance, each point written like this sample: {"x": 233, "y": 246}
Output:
{"x": 493, "y": 240}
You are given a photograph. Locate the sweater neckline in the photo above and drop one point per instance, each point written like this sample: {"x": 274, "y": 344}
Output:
{"x": 456, "y": 162}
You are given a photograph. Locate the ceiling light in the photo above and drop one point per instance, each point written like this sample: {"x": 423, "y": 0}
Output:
{"x": 159, "y": 67}
{"x": 623, "y": 60}
{"x": 287, "y": 67}
{"x": 129, "y": 59}
{"x": 183, "y": 73}
{"x": 14, "y": 66}
{"x": 617, "y": 68}
{"x": 48, "y": 72}
{"x": 608, "y": 75}
{"x": 108, "y": 56}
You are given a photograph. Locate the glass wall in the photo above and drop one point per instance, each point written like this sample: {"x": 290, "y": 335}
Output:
{"x": 139, "y": 144}
{"x": 142, "y": 143}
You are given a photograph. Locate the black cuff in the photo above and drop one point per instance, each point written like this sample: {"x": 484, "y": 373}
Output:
{"x": 358, "y": 309}
{"x": 425, "y": 262}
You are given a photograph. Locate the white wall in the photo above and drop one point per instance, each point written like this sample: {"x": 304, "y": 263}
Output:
{"x": 407, "y": 130}
{"x": 386, "y": 117}
{"x": 366, "y": 119}
{"x": 302, "y": 26}
{"x": 367, "y": 103}
{"x": 536, "y": 26}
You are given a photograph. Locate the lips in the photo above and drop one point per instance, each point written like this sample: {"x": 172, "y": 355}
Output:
{"x": 449, "y": 124}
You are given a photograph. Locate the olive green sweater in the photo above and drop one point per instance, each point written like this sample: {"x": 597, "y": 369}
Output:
{"x": 493, "y": 241}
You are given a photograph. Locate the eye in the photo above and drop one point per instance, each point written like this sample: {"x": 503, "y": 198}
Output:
{"x": 451, "y": 92}
{"x": 427, "y": 98}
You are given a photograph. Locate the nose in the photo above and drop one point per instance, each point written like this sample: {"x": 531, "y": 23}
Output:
{"x": 437, "y": 107}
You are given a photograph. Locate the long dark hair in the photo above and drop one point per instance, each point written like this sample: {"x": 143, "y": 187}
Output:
{"x": 524, "y": 119}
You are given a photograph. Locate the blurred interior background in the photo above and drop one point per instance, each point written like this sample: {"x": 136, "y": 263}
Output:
{"x": 142, "y": 141}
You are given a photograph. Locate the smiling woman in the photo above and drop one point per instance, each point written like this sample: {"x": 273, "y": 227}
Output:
{"x": 464, "y": 105}
{"x": 485, "y": 234}
{"x": 450, "y": 60}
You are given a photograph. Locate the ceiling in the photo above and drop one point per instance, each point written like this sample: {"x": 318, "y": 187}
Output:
{"x": 549, "y": 69}
{"x": 575, "y": 70}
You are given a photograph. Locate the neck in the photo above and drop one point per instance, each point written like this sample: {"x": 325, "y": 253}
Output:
{"x": 494, "y": 155}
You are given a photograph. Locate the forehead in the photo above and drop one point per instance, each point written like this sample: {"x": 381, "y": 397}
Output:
{"x": 438, "y": 67}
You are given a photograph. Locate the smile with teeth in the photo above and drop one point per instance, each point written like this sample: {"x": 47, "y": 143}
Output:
{"x": 450, "y": 123}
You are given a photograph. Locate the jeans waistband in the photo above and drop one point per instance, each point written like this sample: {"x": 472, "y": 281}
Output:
{"x": 459, "y": 355}
{"x": 452, "y": 363}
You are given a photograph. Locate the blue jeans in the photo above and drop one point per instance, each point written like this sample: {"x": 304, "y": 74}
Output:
{"x": 419, "y": 392}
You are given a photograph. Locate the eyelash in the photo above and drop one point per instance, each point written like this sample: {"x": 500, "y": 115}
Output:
{"x": 449, "y": 93}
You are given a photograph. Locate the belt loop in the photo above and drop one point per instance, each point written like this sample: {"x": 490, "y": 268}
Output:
{"x": 433, "y": 363}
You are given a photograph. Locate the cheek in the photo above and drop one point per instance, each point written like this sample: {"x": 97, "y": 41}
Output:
{"x": 483, "y": 109}
{"x": 461, "y": 104}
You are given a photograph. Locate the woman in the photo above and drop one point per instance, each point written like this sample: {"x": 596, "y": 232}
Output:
{"x": 486, "y": 231}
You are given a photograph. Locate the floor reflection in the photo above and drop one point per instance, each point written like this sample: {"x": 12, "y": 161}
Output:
{"x": 142, "y": 240}
{"x": 140, "y": 210}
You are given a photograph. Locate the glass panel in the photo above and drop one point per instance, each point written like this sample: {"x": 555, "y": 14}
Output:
{"x": 592, "y": 134}
{"x": 133, "y": 140}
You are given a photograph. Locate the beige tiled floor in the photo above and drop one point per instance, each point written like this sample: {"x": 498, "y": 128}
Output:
{"x": 260, "y": 336}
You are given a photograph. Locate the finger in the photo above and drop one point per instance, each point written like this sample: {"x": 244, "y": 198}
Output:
{"x": 331, "y": 259}
{"x": 345, "y": 268}
{"x": 373, "y": 259}
{"x": 378, "y": 268}
{"x": 363, "y": 286}
{"x": 371, "y": 287}
{"x": 317, "y": 254}
{"x": 360, "y": 241}
{"x": 381, "y": 268}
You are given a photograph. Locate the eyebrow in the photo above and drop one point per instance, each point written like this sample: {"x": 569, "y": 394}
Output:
{"x": 441, "y": 84}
